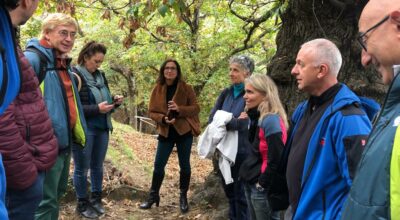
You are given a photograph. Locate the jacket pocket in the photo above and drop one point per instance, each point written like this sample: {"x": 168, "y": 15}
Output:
{"x": 354, "y": 146}
{"x": 28, "y": 133}
{"x": 28, "y": 140}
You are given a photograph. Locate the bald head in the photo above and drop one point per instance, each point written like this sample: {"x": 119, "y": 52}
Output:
{"x": 377, "y": 9}
{"x": 379, "y": 27}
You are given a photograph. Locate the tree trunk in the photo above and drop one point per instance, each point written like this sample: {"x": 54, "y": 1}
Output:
{"x": 127, "y": 74}
{"x": 305, "y": 20}
{"x": 132, "y": 100}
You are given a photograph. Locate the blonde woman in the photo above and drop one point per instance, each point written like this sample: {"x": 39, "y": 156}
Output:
{"x": 267, "y": 133}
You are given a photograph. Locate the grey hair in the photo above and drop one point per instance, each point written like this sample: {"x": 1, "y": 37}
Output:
{"x": 325, "y": 51}
{"x": 244, "y": 61}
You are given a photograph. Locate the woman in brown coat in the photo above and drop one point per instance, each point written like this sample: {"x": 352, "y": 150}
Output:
{"x": 174, "y": 108}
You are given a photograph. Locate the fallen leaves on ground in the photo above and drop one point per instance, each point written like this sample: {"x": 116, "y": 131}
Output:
{"x": 127, "y": 178}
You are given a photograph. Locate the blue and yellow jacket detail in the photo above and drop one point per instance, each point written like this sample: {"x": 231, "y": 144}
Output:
{"x": 53, "y": 94}
{"x": 375, "y": 193}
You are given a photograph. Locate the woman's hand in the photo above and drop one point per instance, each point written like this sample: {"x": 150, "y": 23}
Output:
{"x": 104, "y": 107}
{"x": 118, "y": 99}
{"x": 243, "y": 115}
{"x": 173, "y": 106}
{"x": 172, "y": 121}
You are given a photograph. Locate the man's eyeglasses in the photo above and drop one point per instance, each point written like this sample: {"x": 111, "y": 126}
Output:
{"x": 65, "y": 34}
{"x": 362, "y": 38}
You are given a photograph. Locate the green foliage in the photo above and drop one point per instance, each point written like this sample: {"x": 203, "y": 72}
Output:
{"x": 201, "y": 35}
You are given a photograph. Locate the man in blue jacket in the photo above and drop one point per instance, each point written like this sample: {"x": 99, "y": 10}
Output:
{"x": 375, "y": 193}
{"x": 62, "y": 100}
{"x": 329, "y": 132}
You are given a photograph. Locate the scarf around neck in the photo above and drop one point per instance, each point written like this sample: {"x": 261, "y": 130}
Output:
{"x": 96, "y": 85}
{"x": 238, "y": 89}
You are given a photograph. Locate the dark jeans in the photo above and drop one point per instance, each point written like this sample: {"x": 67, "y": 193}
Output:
{"x": 235, "y": 193}
{"x": 22, "y": 204}
{"x": 164, "y": 149}
{"x": 91, "y": 157}
{"x": 257, "y": 201}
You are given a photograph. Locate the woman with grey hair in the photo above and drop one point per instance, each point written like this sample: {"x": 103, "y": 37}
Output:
{"x": 231, "y": 100}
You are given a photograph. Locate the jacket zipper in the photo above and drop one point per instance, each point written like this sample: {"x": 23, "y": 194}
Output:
{"x": 28, "y": 140}
{"x": 323, "y": 205}
{"x": 4, "y": 81}
{"x": 310, "y": 167}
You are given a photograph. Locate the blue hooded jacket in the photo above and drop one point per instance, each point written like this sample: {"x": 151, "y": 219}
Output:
{"x": 53, "y": 94}
{"x": 10, "y": 81}
{"x": 337, "y": 142}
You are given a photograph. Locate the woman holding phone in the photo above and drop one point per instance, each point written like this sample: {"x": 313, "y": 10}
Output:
{"x": 98, "y": 104}
{"x": 173, "y": 106}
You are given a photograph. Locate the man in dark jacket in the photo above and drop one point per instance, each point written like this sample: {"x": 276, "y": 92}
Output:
{"x": 27, "y": 141}
{"x": 375, "y": 193}
{"x": 329, "y": 131}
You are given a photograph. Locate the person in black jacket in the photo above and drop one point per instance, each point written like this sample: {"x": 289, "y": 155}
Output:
{"x": 97, "y": 105}
{"x": 267, "y": 133}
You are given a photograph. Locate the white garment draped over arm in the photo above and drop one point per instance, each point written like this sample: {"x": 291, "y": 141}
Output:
{"x": 216, "y": 136}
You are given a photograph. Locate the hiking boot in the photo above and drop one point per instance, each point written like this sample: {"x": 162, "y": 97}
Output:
{"x": 85, "y": 209}
{"x": 96, "y": 202}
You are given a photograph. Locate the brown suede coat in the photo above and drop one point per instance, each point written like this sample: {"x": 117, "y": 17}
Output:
{"x": 185, "y": 98}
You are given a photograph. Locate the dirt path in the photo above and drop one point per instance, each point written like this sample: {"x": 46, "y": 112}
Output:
{"x": 128, "y": 169}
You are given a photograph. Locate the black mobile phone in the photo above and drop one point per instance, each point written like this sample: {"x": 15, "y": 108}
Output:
{"x": 172, "y": 114}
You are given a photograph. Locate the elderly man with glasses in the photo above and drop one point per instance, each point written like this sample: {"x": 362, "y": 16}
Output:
{"x": 63, "y": 104}
{"x": 375, "y": 193}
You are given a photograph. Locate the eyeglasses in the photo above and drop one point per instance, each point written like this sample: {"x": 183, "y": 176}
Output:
{"x": 362, "y": 38}
{"x": 65, "y": 34}
{"x": 170, "y": 68}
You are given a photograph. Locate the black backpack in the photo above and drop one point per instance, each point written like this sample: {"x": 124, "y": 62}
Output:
{"x": 43, "y": 68}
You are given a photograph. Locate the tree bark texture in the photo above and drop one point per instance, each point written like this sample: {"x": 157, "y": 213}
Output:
{"x": 306, "y": 20}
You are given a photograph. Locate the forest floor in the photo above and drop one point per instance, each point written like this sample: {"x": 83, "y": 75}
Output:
{"x": 127, "y": 179}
